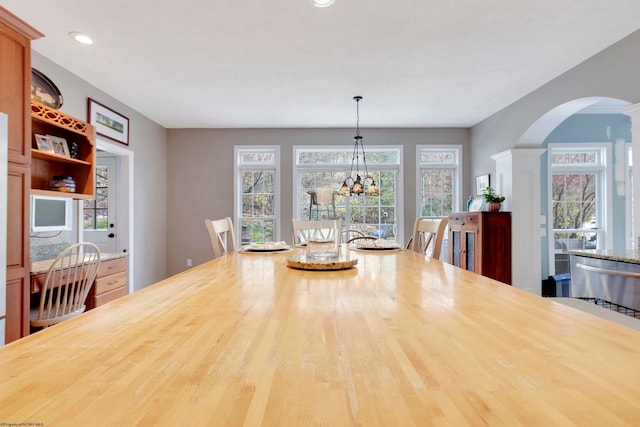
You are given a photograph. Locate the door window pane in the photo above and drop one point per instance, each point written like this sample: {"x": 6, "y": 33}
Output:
{"x": 95, "y": 212}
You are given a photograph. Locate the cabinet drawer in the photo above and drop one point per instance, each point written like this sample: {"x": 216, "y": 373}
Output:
{"x": 106, "y": 284}
{"x": 112, "y": 266}
{"x": 109, "y": 296}
{"x": 463, "y": 219}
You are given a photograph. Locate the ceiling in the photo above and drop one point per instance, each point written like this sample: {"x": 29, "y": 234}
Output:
{"x": 286, "y": 63}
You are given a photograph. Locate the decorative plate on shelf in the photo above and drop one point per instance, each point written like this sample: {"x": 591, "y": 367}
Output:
{"x": 44, "y": 91}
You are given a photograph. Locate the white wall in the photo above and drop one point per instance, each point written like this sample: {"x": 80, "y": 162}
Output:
{"x": 148, "y": 141}
{"x": 200, "y": 176}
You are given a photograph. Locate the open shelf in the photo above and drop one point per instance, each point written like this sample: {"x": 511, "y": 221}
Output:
{"x": 38, "y": 154}
{"x": 45, "y": 165}
{"x": 52, "y": 193}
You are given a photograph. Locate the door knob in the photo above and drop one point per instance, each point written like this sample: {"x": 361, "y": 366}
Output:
{"x": 111, "y": 235}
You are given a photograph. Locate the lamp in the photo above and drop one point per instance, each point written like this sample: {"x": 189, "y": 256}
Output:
{"x": 355, "y": 184}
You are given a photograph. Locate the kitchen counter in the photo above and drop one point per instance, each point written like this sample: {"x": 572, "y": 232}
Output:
{"x": 620, "y": 255}
{"x": 41, "y": 267}
{"x": 606, "y": 274}
{"x": 399, "y": 340}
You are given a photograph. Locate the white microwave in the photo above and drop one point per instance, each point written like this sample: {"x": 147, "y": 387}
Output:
{"x": 51, "y": 213}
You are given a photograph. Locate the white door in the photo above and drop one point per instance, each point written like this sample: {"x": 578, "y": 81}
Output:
{"x": 100, "y": 222}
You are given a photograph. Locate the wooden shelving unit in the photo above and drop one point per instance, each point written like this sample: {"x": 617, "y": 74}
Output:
{"x": 45, "y": 165}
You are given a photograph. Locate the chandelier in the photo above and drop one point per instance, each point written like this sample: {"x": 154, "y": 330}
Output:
{"x": 355, "y": 184}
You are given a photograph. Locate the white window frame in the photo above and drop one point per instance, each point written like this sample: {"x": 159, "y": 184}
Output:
{"x": 603, "y": 208}
{"x": 457, "y": 165}
{"x": 296, "y": 169}
{"x": 238, "y": 169}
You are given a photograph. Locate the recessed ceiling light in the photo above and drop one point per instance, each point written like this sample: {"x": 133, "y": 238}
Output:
{"x": 323, "y": 3}
{"x": 81, "y": 37}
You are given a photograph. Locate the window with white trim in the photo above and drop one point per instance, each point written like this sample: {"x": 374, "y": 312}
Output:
{"x": 257, "y": 194}
{"x": 438, "y": 179}
{"x": 578, "y": 200}
{"x": 317, "y": 167}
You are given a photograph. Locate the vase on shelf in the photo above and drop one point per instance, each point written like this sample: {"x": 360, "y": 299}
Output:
{"x": 494, "y": 206}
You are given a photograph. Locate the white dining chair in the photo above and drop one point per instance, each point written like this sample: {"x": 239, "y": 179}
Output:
{"x": 427, "y": 236}
{"x": 221, "y": 234}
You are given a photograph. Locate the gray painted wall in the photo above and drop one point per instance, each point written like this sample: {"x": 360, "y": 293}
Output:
{"x": 611, "y": 73}
{"x": 148, "y": 141}
{"x": 200, "y": 176}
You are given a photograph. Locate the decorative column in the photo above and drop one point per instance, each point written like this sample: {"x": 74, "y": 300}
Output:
{"x": 634, "y": 112}
{"x": 518, "y": 179}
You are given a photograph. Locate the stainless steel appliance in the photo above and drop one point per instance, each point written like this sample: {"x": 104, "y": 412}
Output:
{"x": 613, "y": 281}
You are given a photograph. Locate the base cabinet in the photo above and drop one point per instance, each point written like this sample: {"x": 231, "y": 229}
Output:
{"x": 481, "y": 242}
{"x": 110, "y": 284}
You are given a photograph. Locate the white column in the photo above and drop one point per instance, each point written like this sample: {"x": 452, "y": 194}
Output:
{"x": 634, "y": 113}
{"x": 518, "y": 179}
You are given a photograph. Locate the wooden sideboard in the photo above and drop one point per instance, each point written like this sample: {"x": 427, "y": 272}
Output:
{"x": 481, "y": 242}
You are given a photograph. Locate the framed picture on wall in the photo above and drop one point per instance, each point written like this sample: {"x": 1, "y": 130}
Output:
{"x": 482, "y": 182}
{"x": 108, "y": 123}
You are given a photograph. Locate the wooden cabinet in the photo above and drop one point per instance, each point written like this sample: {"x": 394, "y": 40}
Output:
{"x": 45, "y": 165}
{"x": 110, "y": 284}
{"x": 481, "y": 242}
{"x": 15, "y": 88}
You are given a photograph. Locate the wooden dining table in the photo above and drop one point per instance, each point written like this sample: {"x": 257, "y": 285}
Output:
{"x": 397, "y": 340}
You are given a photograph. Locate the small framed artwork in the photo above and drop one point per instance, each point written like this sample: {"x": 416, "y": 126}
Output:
{"x": 43, "y": 143}
{"x": 482, "y": 182}
{"x": 108, "y": 123}
{"x": 59, "y": 145}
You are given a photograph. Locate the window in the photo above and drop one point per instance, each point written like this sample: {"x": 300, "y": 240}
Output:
{"x": 329, "y": 166}
{"x": 439, "y": 178}
{"x": 96, "y": 211}
{"x": 578, "y": 200}
{"x": 257, "y": 194}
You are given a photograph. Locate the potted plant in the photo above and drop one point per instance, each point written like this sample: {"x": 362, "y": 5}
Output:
{"x": 494, "y": 200}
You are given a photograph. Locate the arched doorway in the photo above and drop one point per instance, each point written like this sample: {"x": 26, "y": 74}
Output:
{"x": 519, "y": 169}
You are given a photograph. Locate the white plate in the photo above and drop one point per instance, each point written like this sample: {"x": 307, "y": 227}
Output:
{"x": 266, "y": 249}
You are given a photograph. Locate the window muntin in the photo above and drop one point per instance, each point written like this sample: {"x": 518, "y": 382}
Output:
{"x": 257, "y": 194}
{"x": 329, "y": 166}
{"x": 96, "y": 211}
{"x": 578, "y": 201}
{"x": 439, "y": 178}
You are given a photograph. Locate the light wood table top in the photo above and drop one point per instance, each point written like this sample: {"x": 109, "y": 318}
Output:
{"x": 399, "y": 340}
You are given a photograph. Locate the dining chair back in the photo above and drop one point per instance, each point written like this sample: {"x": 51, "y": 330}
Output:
{"x": 305, "y": 230}
{"x": 66, "y": 285}
{"x": 349, "y": 234}
{"x": 427, "y": 236}
{"x": 222, "y": 237}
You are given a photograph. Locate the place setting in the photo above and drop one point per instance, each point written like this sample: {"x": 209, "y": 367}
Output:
{"x": 375, "y": 245}
{"x": 265, "y": 248}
